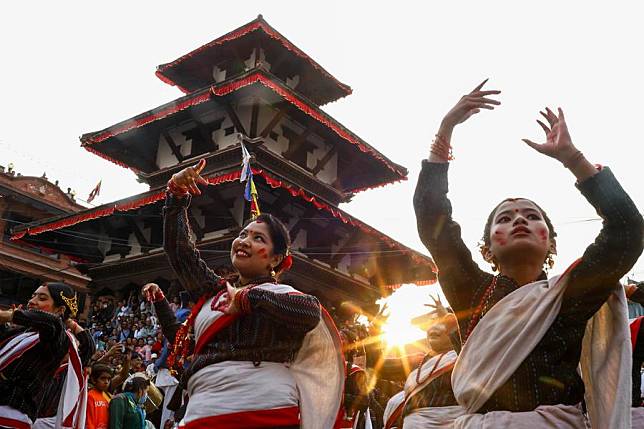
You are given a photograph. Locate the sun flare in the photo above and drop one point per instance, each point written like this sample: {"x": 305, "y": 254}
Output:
{"x": 403, "y": 305}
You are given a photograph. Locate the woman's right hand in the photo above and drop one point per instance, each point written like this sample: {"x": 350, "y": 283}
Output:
{"x": 151, "y": 292}
{"x": 186, "y": 180}
{"x": 468, "y": 105}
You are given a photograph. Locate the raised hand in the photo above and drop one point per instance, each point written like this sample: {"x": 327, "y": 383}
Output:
{"x": 152, "y": 292}
{"x": 439, "y": 308}
{"x": 470, "y": 104}
{"x": 558, "y": 143}
{"x": 186, "y": 180}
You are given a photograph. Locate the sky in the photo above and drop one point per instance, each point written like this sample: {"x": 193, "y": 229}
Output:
{"x": 74, "y": 67}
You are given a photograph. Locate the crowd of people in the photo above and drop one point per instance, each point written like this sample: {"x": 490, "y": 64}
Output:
{"x": 238, "y": 348}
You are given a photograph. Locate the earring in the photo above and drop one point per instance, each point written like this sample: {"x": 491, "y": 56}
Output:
{"x": 273, "y": 273}
{"x": 550, "y": 262}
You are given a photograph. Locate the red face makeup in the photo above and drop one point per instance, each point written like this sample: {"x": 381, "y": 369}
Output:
{"x": 251, "y": 250}
{"x": 518, "y": 230}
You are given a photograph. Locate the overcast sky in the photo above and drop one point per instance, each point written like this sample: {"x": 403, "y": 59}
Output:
{"x": 73, "y": 67}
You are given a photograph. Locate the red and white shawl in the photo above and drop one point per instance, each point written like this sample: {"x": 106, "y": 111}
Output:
{"x": 317, "y": 373}
{"x": 73, "y": 400}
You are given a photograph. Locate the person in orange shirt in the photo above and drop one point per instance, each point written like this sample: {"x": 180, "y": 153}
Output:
{"x": 98, "y": 398}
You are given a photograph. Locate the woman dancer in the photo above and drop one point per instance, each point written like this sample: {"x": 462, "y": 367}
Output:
{"x": 31, "y": 354}
{"x": 264, "y": 357}
{"x": 428, "y": 400}
{"x": 523, "y": 332}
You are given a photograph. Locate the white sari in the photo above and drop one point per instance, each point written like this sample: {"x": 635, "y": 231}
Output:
{"x": 509, "y": 332}
{"x": 428, "y": 417}
{"x": 238, "y": 394}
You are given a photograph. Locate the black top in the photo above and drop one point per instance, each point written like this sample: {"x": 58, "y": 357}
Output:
{"x": 274, "y": 328}
{"x": 548, "y": 376}
{"x": 23, "y": 381}
{"x": 49, "y": 396}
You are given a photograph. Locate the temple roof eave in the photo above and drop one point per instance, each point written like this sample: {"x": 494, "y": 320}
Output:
{"x": 391, "y": 172}
{"x": 169, "y": 73}
{"x": 156, "y": 195}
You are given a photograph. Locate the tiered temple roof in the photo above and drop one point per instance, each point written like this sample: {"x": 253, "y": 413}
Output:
{"x": 232, "y": 53}
{"x": 252, "y": 86}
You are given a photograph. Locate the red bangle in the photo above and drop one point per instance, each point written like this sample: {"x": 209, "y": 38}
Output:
{"x": 158, "y": 296}
{"x": 175, "y": 190}
{"x": 441, "y": 148}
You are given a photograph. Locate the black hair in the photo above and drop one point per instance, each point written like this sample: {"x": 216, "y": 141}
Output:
{"x": 184, "y": 297}
{"x": 135, "y": 384}
{"x": 98, "y": 369}
{"x": 278, "y": 232}
{"x": 55, "y": 290}
{"x": 485, "y": 241}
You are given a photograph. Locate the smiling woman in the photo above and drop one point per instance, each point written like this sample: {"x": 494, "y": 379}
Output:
{"x": 34, "y": 349}
{"x": 255, "y": 339}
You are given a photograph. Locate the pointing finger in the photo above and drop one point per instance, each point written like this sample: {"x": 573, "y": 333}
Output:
{"x": 479, "y": 86}
{"x": 200, "y": 166}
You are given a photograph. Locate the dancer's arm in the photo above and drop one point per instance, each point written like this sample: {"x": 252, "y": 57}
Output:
{"x": 86, "y": 344}
{"x": 296, "y": 311}
{"x": 50, "y": 326}
{"x": 461, "y": 279}
{"x": 621, "y": 240}
{"x": 185, "y": 259}
{"x": 615, "y": 250}
{"x": 167, "y": 319}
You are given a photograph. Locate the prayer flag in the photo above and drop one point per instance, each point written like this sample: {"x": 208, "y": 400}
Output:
{"x": 250, "y": 192}
{"x": 95, "y": 192}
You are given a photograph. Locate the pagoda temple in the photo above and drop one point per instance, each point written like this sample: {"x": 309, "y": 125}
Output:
{"x": 254, "y": 86}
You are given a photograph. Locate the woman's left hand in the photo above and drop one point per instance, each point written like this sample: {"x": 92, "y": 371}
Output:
{"x": 230, "y": 307}
{"x": 439, "y": 308}
{"x": 558, "y": 143}
{"x": 73, "y": 326}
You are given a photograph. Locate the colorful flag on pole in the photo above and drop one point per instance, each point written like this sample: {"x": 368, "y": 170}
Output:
{"x": 95, "y": 192}
{"x": 250, "y": 192}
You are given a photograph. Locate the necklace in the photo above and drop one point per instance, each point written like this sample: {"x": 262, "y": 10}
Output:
{"x": 483, "y": 305}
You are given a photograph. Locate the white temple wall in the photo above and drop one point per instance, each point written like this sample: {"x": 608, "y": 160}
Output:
{"x": 165, "y": 157}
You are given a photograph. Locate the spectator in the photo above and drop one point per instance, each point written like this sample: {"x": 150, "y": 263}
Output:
{"x": 175, "y": 304}
{"x": 98, "y": 397}
{"x": 126, "y": 409}
{"x": 126, "y": 332}
{"x": 182, "y": 313}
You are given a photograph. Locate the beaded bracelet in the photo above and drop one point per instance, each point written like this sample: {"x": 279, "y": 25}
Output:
{"x": 441, "y": 148}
